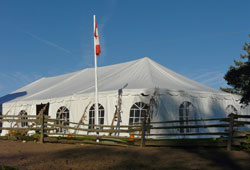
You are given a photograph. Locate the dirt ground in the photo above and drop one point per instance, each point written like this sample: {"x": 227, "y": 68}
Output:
{"x": 56, "y": 156}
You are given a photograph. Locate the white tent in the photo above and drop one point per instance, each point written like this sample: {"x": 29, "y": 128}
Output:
{"x": 174, "y": 96}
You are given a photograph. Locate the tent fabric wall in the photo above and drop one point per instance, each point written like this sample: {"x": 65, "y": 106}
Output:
{"x": 208, "y": 105}
{"x": 144, "y": 76}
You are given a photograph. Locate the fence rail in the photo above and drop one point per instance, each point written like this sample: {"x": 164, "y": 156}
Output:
{"x": 193, "y": 120}
{"x": 190, "y": 134}
{"x": 143, "y": 131}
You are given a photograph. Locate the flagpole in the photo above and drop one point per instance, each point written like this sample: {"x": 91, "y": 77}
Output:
{"x": 96, "y": 83}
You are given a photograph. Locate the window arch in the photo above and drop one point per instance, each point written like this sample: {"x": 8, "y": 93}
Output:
{"x": 92, "y": 115}
{"x": 23, "y": 113}
{"x": 231, "y": 109}
{"x": 62, "y": 116}
{"x": 138, "y": 111}
{"x": 187, "y": 111}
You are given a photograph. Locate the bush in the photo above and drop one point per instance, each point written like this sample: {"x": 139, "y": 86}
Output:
{"x": 246, "y": 145}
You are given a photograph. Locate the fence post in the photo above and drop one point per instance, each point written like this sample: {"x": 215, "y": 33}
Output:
{"x": 230, "y": 135}
{"x": 42, "y": 128}
{"x": 143, "y": 129}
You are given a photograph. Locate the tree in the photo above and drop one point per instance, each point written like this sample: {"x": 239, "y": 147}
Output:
{"x": 238, "y": 76}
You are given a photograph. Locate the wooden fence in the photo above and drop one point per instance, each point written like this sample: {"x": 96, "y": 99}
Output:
{"x": 142, "y": 131}
{"x": 46, "y": 126}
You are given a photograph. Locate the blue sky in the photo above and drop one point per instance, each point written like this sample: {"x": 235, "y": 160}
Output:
{"x": 196, "y": 38}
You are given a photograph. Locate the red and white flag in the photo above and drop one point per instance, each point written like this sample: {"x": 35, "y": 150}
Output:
{"x": 96, "y": 39}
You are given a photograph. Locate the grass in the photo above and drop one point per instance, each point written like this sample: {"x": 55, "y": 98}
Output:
{"x": 2, "y": 167}
{"x": 160, "y": 142}
{"x": 126, "y": 141}
{"x": 102, "y": 139}
{"x": 212, "y": 140}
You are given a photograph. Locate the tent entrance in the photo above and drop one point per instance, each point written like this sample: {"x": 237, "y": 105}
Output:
{"x": 39, "y": 107}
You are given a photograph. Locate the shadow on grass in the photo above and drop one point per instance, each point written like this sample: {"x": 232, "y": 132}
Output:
{"x": 107, "y": 157}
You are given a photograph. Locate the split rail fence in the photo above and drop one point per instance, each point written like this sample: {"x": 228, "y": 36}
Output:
{"x": 46, "y": 126}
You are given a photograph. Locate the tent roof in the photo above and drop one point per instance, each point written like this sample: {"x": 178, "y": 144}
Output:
{"x": 137, "y": 74}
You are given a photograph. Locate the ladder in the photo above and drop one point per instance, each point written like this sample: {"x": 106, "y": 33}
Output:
{"x": 83, "y": 118}
{"x": 117, "y": 115}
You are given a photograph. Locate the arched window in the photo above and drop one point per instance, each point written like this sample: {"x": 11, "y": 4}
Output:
{"x": 23, "y": 113}
{"x": 62, "y": 117}
{"x": 231, "y": 109}
{"x": 92, "y": 115}
{"x": 138, "y": 111}
{"x": 187, "y": 111}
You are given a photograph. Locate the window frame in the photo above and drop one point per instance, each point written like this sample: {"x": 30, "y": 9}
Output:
{"x": 138, "y": 112}
{"x": 23, "y": 113}
{"x": 229, "y": 108}
{"x": 101, "y": 114}
{"x": 187, "y": 111}
{"x": 63, "y": 119}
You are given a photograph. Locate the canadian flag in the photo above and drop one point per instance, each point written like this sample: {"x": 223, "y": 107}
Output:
{"x": 96, "y": 39}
